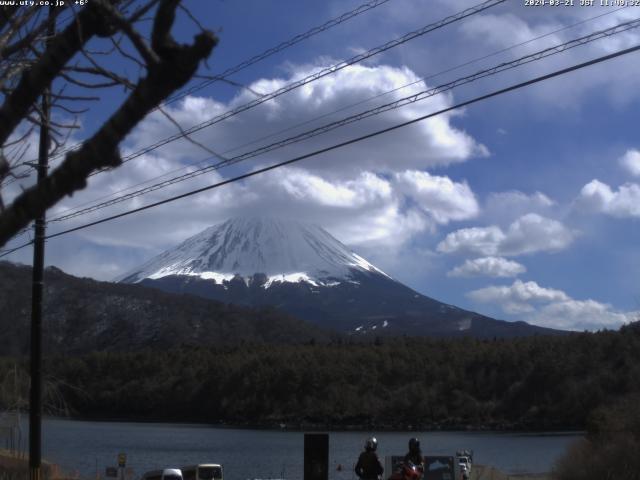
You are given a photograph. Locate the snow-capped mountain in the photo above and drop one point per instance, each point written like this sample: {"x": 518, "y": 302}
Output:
{"x": 282, "y": 250}
{"x": 303, "y": 270}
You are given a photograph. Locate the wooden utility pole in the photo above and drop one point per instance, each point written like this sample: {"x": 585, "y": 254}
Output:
{"x": 35, "y": 396}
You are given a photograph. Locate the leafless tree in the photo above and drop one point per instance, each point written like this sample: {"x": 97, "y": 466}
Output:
{"x": 75, "y": 61}
{"x": 14, "y": 403}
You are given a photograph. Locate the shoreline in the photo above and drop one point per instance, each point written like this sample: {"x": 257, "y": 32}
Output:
{"x": 11, "y": 464}
{"x": 329, "y": 427}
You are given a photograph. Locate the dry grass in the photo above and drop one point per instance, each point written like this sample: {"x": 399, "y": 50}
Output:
{"x": 483, "y": 472}
{"x": 14, "y": 467}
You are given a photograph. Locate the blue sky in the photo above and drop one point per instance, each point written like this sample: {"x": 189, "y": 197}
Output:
{"x": 524, "y": 206}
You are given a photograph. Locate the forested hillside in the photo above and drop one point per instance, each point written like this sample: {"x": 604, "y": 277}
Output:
{"x": 82, "y": 315}
{"x": 533, "y": 383}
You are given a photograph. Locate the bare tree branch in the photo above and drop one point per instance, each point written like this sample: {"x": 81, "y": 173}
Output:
{"x": 177, "y": 64}
{"x": 102, "y": 72}
{"x": 70, "y": 111}
{"x": 192, "y": 17}
{"x": 80, "y": 83}
{"x": 6, "y": 14}
{"x": 30, "y": 37}
{"x": 116, "y": 45}
{"x": 20, "y": 139}
{"x": 188, "y": 137}
{"x": 85, "y": 98}
{"x": 61, "y": 49}
{"x": 98, "y": 70}
{"x": 15, "y": 25}
{"x": 136, "y": 39}
{"x": 137, "y": 15}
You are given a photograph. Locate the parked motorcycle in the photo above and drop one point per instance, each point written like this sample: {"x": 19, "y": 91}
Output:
{"x": 407, "y": 471}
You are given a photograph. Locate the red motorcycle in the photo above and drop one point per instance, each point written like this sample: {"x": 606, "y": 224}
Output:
{"x": 407, "y": 471}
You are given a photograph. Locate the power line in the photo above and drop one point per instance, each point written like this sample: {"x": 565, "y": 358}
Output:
{"x": 365, "y": 114}
{"x": 313, "y": 77}
{"x": 320, "y": 74}
{"x": 4, "y": 253}
{"x": 347, "y": 107}
{"x": 286, "y": 44}
{"x": 357, "y": 139}
{"x": 316, "y": 76}
{"x": 267, "y": 53}
{"x": 457, "y": 67}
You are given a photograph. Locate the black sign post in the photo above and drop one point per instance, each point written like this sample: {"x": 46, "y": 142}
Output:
{"x": 316, "y": 456}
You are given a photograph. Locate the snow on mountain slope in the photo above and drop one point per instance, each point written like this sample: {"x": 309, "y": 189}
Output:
{"x": 302, "y": 270}
{"x": 283, "y": 250}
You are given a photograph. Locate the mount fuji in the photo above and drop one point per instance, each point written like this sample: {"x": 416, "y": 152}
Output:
{"x": 303, "y": 270}
{"x": 283, "y": 251}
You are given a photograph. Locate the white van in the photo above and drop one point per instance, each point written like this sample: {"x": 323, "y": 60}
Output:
{"x": 203, "y": 471}
{"x": 165, "y": 474}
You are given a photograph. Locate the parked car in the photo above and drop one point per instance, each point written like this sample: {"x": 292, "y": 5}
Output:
{"x": 164, "y": 474}
{"x": 203, "y": 471}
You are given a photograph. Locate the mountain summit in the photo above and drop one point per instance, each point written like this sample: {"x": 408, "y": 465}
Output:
{"x": 304, "y": 271}
{"x": 282, "y": 250}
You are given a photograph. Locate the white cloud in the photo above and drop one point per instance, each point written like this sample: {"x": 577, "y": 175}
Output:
{"x": 366, "y": 210}
{"x": 532, "y": 233}
{"x": 374, "y": 193}
{"x": 499, "y": 30}
{"x": 515, "y": 24}
{"x": 507, "y": 206}
{"x": 482, "y": 240}
{"x": 529, "y": 234}
{"x": 443, "y": 199}
{"x": 630, "y": 161}
{"x": 412, "y": 264}
{"x": 518, "y": 297}
{"x": 599, "y": 197}
{"x": 423, "y": 145}
{"x": 305, "y": 187}
{"x": 552, "y": 308}
{"x": 488, "y": 266}
{"x": 581, "y": 315}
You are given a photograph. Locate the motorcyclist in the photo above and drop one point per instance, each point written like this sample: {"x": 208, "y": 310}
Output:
{"x": 369, "y": 466}
{"x": 414, "y": 456}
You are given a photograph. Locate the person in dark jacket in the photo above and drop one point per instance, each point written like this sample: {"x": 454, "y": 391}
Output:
{"x": 369, "y": 466}
{"x": 415, "y": 454}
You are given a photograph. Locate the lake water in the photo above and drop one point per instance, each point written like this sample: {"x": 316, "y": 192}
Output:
{"x": 247, "y": 454}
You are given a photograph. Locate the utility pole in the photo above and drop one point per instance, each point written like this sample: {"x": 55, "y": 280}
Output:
{"x": 35, "y": 395}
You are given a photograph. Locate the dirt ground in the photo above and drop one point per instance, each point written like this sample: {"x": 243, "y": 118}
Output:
{"x": 13, "y": 467}
{"x": 482, "y": 472}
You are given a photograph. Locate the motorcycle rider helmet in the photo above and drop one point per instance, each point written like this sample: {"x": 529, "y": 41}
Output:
{"x": 371, "y": 444}
{"x": 414, "y": 445}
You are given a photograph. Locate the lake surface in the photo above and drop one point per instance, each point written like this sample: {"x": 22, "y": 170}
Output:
{"x": 247, "y": 454}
